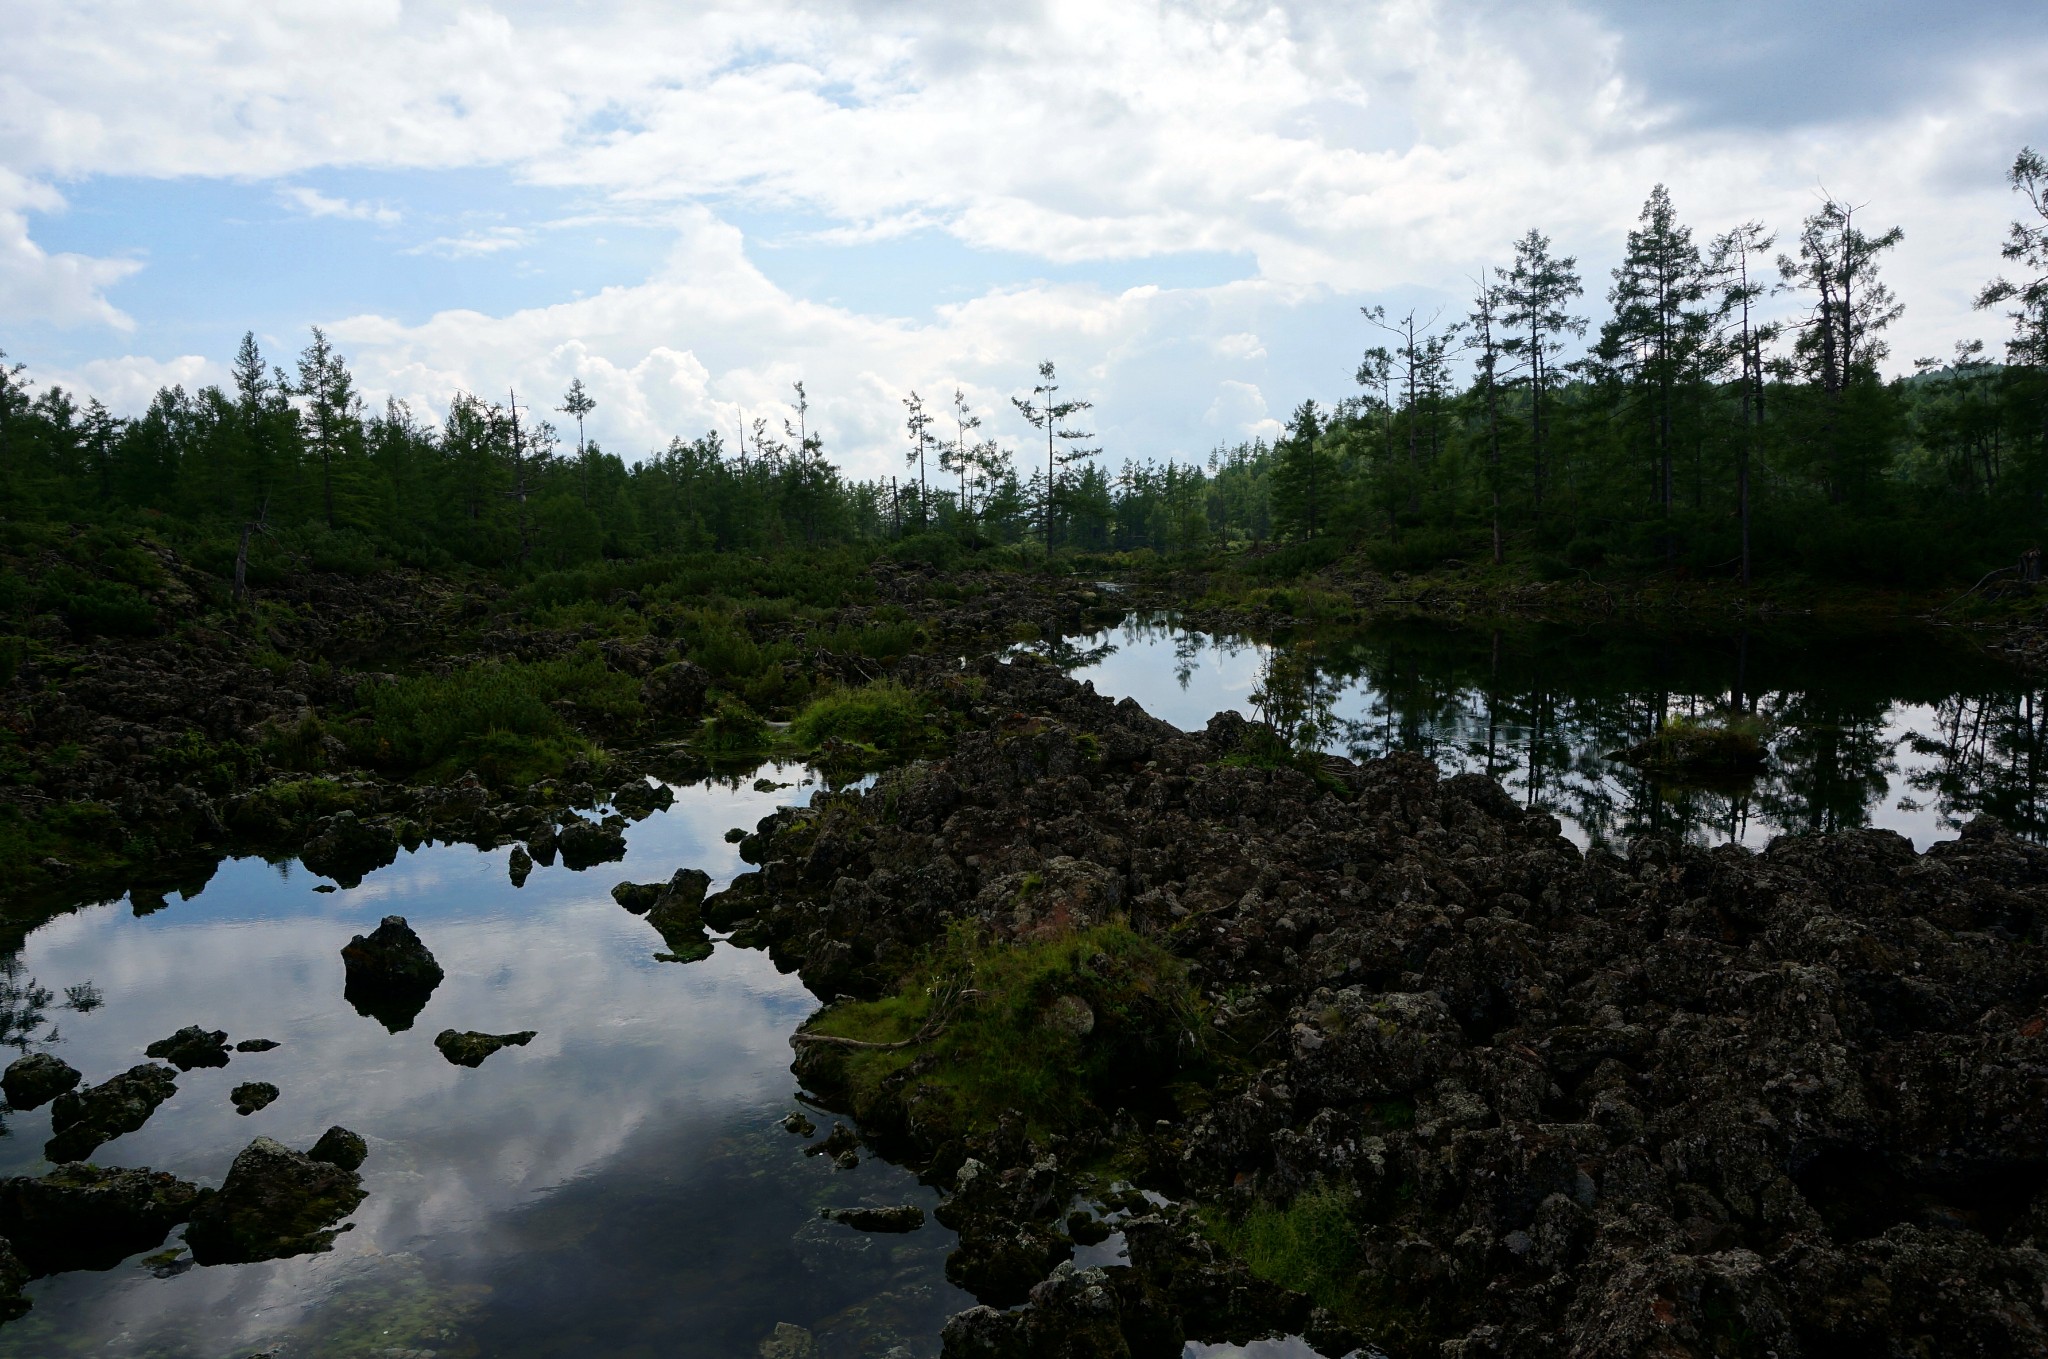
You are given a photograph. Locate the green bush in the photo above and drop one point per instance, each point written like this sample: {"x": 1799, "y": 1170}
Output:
{"x": 498, "y": 718}
{"x": 733, "y": 729}
{"x": 884, "y": 714}
{"x": 1310, "y": 1245}
{"x": 109, "y": 608}
{"x": 1295, "y": 559}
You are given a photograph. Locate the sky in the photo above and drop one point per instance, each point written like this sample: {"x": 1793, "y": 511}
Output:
{"x": 1184, "y": 205}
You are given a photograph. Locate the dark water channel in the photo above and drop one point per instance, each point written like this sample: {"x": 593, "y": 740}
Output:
{"x": 1913, "y": 730}
{"x": 622, "y": 1185}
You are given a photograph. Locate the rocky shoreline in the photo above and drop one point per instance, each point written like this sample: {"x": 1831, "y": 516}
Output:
{"x": 1511, "y": 1098}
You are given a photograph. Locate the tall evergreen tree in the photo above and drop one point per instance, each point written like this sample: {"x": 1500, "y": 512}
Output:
{"x": 1042, "y": 412}
{"x": 1536, "y": 295}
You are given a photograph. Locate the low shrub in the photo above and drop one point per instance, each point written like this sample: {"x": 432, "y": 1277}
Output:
{"x": 884, "y": 714}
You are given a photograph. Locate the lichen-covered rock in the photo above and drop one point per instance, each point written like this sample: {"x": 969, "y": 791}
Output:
{"x": 86, "y": 1217}
{"x": 83, "y": 1119}
{"x": 390, "y": 975}
{"x": 33, "y": 1081}
{"x": 275, "y": 1203}
{"x": 191, "y": 1047}
{"x": 251, "y": 1096}
{"x": 470, "y": 1049}
{"x": 675, "y": 692}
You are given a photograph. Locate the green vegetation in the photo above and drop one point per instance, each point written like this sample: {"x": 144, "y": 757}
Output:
{"x": 732, "y": 728}
{"x": 503, "y": 719}
{"x": 1721, "y": 746}
{"x": 1309, "y": 1245}
{"x": 1061, "y": 1030}
{"x": 884, "y": 716}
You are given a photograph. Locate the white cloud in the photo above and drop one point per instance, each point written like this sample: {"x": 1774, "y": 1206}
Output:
{"x": 313, "y": 203}
{"x": 127, "y": 383}
{"x": 484, "y": 241}
{"x": 62, "y": 289}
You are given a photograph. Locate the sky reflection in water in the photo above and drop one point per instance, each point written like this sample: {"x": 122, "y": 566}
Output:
{"x": 618, "y": 1187}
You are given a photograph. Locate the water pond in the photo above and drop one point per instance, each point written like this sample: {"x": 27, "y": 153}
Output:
{"x": 1912, "y": 730}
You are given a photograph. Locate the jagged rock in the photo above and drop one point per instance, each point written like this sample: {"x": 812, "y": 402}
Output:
{"x": 338, "y": 1146}
{"x": 907, "y": 1217}
{"x": 13, "y": 1276}
{"x": 639, "y": 799}
{"x": 390, "y": 974}
{"x": 33, "y": 1081}
{"x": 585, "y": 844}
{"x": 82, "y": 1119}
{"x": 348, "y": 848}
{"x": 257, "y": 1045}
{"x": 542, "y": 845}
{"x": 86, "y": 1217}
{"x": 251, "y": 1096}
{"x": 795, "y": 1122}
{"x": 275, "y": 1203}
{"x": 519, "y": 866}
{"x": 470, "y": 1049}
{"x": 191, "y": 1047}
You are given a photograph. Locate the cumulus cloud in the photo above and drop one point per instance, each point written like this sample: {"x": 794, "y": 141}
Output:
{"x": 60, "y": 289}
{"x": 484, "y": 241}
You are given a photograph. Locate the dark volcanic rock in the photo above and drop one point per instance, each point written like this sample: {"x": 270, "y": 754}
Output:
{"x": 84, "y": 1217}
{"x": 519, "y": 866}
{"x": 33, "y": 1081}
{"x": 13, "y": 1276}
{"x": 348, "y": 848}
{"x": 1674, "y": 1101}
{"x": 906, "y": 1217}
{"x": 338, "y": 1146}
{"x": 584, "y": 844}
{"x": 470, "y": 1049}
{"x": 639, "y": 799}
{"x": 390, "y": 974}
{"x": 191, "y": 1047}
{"x": 82, "y": 1119}
{"x": 252, "y": 1096}
{"x": 675, "y": 692}
{"x": 275, "y": 1203}
{"x": 256, "y": 1045}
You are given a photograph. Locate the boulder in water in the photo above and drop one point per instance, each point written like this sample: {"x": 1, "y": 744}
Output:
{"x": 391, "y": 975}
{"x": 348, "y": 848}
{"x": 191, "y": 1046}
{"x": 276, "y": 1203}
{"x": 338, "y": 1146}
{"x": 520, "y": 866}
{"x": 83, "y": 1119}
{"x": 252, "y": 1096}
{"x": 84, "y": 1217}
{"x": 470, "y": 1049}
{"x": 33, "y": 1081}
{"x": 256, "y": 1045}
{"x": 585, "y": 844}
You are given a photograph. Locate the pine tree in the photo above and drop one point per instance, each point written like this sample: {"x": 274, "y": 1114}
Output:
{"x": 1042, "y": 412}
{"x": 1537, "y": 291}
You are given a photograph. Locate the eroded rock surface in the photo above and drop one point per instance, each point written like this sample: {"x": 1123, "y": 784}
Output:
{"x": 1678, "y": 1100}
{"x": 470, "y": 1049}
{"x": 86, "y": 1217}
{"x": 390, "y": 974}
{"x": 276, "y": 1202}
{"x": 83, "y": 1119}
{"x": 31, "y": 1082}
{"x": 191, "y": 1047}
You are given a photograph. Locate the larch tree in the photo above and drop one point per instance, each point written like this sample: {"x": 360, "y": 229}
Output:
{"x": 2026, "y": 244}
{"x": 1732, "y": 270}
{"x": 331, "y": 414}
{"x": 1487, "y": 371}
{"x": 917, "y": 422}
{"x": 1042, "y": 411}
{"x": 1654, "y": 338}
{"x": 1536, "y": 296}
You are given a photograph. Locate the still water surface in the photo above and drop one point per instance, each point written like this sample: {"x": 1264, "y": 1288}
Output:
{"x": 622, "y": 1186}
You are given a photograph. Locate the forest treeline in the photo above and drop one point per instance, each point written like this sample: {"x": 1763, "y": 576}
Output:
{"x": 1705, "y": 426}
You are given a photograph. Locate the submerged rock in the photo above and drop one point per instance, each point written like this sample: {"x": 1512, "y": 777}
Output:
{"x": 795, "y": 1122}
{"x": 33, "y": 1081}
{"x": 13, "y": 1275}
{"x": 470, "y": 1049}
{"x": 788, "y": 1342}
{"x": 906, "y": 1217}
{"x": 85, "y": 1217}
{"x": 252, "y": 1096}
{"x": 390, "y": 974}
{"x": 275, "y": 1203}
{"x": 585, "y": 844}
{"x": 191, "y": 1047}
{"x": 81, "y": 1120}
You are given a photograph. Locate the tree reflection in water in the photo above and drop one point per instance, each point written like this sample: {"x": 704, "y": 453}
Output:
{"x": 1910, "y": 729}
